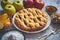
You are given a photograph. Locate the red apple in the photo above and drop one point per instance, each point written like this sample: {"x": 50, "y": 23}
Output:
{"x": 39, "y": 4}
{"x": 28, "y": 3}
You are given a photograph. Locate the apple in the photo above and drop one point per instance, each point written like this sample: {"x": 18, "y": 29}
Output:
{"x": 5, "y": 2}
{"x": 39, "y": 4}
{"x": 4, "y": 16}
{"x": 10, "y": 10}
{"x": 28, "y": 3}
{"x": 7, "y": 25}
{"x": 18, "y": 4}
{"x": 5, "y": 21}
{"x": 1, "y": 25}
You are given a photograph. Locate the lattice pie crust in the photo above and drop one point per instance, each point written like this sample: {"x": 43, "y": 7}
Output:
{"x": 31, "y": 19}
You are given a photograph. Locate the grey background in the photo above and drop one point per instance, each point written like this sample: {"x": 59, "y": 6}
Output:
{"x": 55, "y": 3}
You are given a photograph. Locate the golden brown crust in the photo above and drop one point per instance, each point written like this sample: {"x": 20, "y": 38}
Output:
{"x": 31, "y": 19}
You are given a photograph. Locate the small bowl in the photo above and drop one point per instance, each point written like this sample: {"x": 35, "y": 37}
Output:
{"x": 50, "y": 9}
{"x": 47, "y": 25}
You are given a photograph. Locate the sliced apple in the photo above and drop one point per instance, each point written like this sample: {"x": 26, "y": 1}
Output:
{"x": 5, "y": 22}
{"x": 4, "y": 16}
{"x": 1, "y": 26}
{"x": 7, "y": 25}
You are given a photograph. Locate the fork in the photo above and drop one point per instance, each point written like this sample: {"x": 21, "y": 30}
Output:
{"x": 47, "y": 35}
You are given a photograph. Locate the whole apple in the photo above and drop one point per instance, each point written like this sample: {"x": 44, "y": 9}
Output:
{"x": 18, "y": 4}
{"x": 39, "y": 4}
{"x": 28, "y": 3}
{"x": 10, "y": 9}
{"x": 5, "y": 2}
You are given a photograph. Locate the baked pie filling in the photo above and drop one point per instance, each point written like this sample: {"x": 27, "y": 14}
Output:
{"x": 31, "y": 19}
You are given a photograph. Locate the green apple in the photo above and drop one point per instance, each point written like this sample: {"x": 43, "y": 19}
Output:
{"x": 5, "y": 2}
{"x": 18, "y": 4}
{"x": 10, "y": 9}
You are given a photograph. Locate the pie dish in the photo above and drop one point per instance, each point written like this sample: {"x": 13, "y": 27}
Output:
{"x": 31, "y": 20}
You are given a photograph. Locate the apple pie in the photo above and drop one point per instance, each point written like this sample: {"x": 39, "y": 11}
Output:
{"x": 30, "y": 19}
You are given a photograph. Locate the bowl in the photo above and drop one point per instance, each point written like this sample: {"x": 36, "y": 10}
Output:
{"x": 51, "y": 9}
{"x": 13, "y": 35}
{"x": 47, "y": 25}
